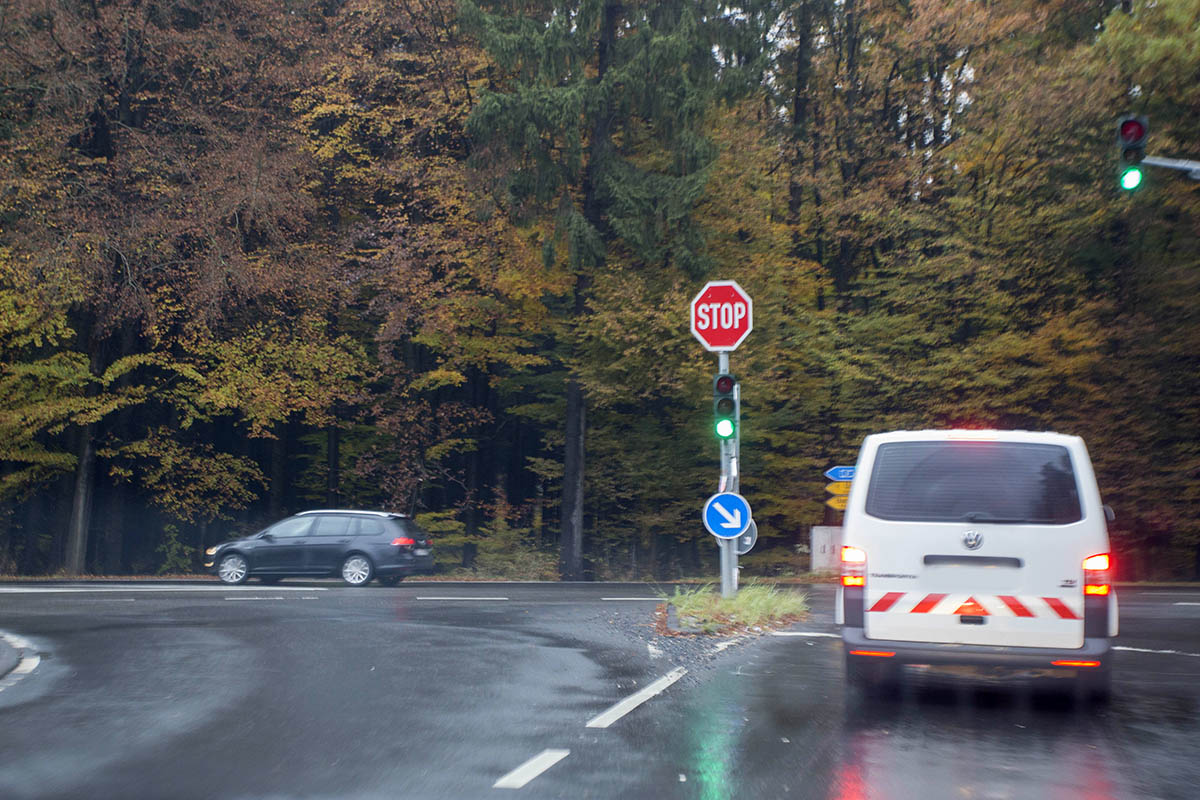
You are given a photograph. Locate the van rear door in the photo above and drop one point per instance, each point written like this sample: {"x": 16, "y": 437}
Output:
{"x": 974, "y": 542}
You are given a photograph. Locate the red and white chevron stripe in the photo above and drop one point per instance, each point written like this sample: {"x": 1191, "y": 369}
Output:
{"x": 981, "y": 605}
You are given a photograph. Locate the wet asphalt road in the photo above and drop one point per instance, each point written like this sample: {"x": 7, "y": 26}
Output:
{"x": 312, "y": 690}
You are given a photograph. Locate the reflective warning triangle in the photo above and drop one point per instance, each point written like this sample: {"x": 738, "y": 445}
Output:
{"x": 972, "y": 608}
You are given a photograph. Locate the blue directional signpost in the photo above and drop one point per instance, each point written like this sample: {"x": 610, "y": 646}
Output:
{"x": 727, "y": 515}
{"x": 840, "y": 473}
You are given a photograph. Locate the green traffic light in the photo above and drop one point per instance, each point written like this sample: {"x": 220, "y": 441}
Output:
{"x": 724, "y": 428}
{"x": 1131, "y": 178}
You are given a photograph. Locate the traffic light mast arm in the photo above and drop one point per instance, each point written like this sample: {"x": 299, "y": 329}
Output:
{"x": 1192, "y": 168}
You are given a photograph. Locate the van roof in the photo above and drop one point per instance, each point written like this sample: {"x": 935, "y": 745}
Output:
{"x": 964, "y": 434}
{"x": 353, "y": 511}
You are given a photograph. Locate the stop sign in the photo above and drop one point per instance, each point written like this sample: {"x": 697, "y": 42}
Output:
{"x": 722, "y": 315}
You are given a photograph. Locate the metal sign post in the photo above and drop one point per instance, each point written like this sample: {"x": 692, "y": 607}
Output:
{"x": 729, "y": 483}
{"x": 722, "y": 316}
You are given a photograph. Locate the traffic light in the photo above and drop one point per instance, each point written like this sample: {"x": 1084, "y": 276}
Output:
{"x": 1131, "y": 148}
{"x": 724, "y": 405}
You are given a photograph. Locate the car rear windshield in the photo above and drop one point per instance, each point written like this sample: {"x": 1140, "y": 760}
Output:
{"x": 986, "y": 482}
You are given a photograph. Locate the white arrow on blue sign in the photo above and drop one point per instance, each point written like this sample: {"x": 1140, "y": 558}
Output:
{"x": 840, "y": 473}
{"x": 726, "y": 515}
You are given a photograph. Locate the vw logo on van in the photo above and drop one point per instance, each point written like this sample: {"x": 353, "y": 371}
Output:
{"x": 972, "y": 540}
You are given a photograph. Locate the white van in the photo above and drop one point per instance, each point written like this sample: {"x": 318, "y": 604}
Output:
{"x": 976, "y": 548}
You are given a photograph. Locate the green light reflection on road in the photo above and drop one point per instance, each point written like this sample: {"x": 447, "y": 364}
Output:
{"x": 711, "y": 743}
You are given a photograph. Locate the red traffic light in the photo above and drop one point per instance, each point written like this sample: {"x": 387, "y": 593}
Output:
{"x": 724, "y": 384}
{"x": 1132, "y": 131}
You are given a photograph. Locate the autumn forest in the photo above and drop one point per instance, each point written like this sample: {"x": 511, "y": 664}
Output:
{"x": 260, "y": 256}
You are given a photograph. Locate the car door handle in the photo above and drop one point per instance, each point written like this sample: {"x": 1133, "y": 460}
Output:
{"x": 343, "y": 541}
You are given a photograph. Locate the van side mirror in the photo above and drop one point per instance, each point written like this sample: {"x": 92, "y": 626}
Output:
{"x": 1109, "y": 514}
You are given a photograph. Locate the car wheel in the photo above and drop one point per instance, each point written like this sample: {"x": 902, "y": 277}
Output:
{"x": 391, "y": 580}
{"x": 357, "y": 570}
{"x": 233, "y": 569}
{"x": 1095, "y": 686}
{"x": 872, "y": 677}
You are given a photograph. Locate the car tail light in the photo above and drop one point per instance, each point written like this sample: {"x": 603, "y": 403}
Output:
{"x": 1096, "y": 570}
{"x": 875, "y": 653}
{"x": 403, "y": 541}
{"x": 854, "y": 566}
{"x": 1075, "y": 663}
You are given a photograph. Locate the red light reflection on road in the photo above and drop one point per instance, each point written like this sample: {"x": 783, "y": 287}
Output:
{"x": 849, "y": 783}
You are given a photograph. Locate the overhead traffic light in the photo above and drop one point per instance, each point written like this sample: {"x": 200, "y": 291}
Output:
{"x": 724, "y": 405}
{"x": 1131, "y": 148}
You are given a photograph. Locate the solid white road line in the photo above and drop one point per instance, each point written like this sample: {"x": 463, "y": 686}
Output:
{"x": 431, "y": 597}
{"x": 1158, "y": 652}
{"x": 531, "y": 769}
{"x": 1187, "y": 604}
{"x": 808, "y": 634}
{"x": 634, "y": 700}
{"x": 254, "y": 598}
{"x": 648, "y": 599}
{"x": 115, "y": 589}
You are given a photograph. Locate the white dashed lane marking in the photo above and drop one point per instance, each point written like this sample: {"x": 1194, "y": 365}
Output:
{"x": 430, "y": 597}
{"x": 128, "y": 589}
{"x": 634, "y": 700}
{"x": 531, "y": 769}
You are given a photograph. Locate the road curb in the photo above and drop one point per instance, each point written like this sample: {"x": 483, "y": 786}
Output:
{"x": 9, "y": 658}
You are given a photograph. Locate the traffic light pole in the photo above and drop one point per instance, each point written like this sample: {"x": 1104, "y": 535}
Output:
{"x": 729, "y": 483}
{"x": 1192, "y": 168}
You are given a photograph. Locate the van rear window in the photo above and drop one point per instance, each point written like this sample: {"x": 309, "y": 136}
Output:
{"x": 987, "y": 482}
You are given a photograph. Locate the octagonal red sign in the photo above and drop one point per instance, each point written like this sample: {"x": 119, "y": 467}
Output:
{"x": 722, "y": 315}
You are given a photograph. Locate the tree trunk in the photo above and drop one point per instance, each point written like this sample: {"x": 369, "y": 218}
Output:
{"x": 333, "y": 477}
{"x": 81, "y": 503}
{"x": 471, "y": 513}
{"x": 114, "y": 531}
{"x": 571, "y": 538}
{"x": 278, "y": 471}
{"x": 571, "y": 542}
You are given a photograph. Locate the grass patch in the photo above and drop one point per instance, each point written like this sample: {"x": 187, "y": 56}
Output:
{"x": 757, "y": 605}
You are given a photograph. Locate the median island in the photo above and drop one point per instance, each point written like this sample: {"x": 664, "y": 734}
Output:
{"x": 756, "y": 608}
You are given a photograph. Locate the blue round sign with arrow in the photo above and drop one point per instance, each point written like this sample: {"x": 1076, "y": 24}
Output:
{"x": 726, "y": 515}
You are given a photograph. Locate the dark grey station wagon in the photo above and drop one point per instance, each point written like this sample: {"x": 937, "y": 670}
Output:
{"x": 357, "y": 545}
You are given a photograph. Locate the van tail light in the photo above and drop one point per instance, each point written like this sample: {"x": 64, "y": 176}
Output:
{"x": 1097, "y": 586}
{"x": 403, "y": 541}
{"x": 1096, "y": 574}
{"x": 854, "y": 586}
{"x": 854, "y": 566}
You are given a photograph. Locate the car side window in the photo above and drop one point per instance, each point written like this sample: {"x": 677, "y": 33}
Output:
{"x": 369, "y": 527}
{"x": 291, "y": 528}
{"x": 331, "y": 525}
